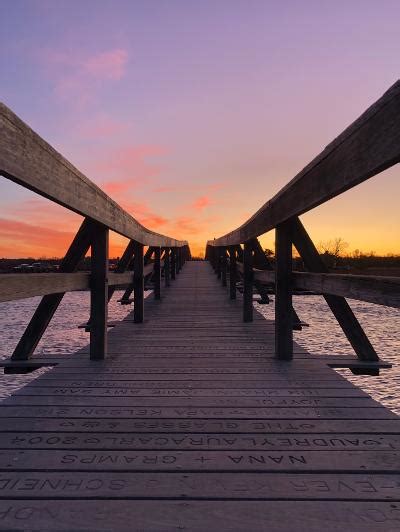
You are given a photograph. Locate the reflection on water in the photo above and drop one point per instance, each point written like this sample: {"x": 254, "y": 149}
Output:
{"x": 62, "y": 335}
{"x": 323, "y": 336}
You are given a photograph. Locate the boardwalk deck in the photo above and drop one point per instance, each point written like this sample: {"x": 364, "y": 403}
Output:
{"x": 192, "y": 424}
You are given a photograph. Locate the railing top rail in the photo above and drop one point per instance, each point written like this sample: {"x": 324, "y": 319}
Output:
{"x": 368, "y": 146}
{"x": 30, "y": 161}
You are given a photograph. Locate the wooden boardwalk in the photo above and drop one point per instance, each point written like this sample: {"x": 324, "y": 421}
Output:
{"x": 191, "y": 424}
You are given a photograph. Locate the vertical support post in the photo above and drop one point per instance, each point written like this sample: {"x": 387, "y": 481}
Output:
{"x": 218, "y": 262}
{"x": 49, "y": 303}
{"x": 180, "y": 258}
{"x": 138, "y": 284}
{"x": 247, "y": 282}
{"x": 283, "y": 294}
{"x": 157, "y": 273}
{"x": 99, "y": 294}
{"x": 173, "y": 263}
{"x": 167, "y": 267}
{"x": 232, "y": 272}
{"x": 224, "y": 267}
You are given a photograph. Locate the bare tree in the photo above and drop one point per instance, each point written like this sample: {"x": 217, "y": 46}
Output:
{"x": 332, "y": 250}
{"x": 334, "y": 247}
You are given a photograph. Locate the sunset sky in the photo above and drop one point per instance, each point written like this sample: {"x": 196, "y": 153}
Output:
{"x": 191, "y": 114}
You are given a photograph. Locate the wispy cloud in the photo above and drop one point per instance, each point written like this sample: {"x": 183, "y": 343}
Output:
{"x": 100, "y": 127}
{"x": 127, "y": 167}
{"x": 144, "y": 215}
{"x": 201, "y": 202}
{"x": 76, "y": 76}
{"x": 32, "y": 240}
{"x": 106, "y": 65}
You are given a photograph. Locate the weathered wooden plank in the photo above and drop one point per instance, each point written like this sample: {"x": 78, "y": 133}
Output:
{"x": 196, "y": 516}
{"x": 20, "y": 286}
{"x": 378, "y": 290}
{"x": 365, "y": 148}
{"x": 58, "y": 421}
{"x": 122, "y": 407}
{"x": 205, "y": 441}
{"x": 234, "y": 377}
{"x": 370, "y": 288}
{"x": 247, "y": 486}
{"x": 243, "y": 397}
{"x": 270, "y": 381}
{"x": 30, "y": 161}
{"x": 280, "y": 461}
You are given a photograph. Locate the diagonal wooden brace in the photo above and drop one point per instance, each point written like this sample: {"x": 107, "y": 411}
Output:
{"x": 262, "y": 262}
{"x": 338, "y": 305}
{"x": 123, "y": 264}
{"x": 49, "y": 303}
{"x": 126, "y": 295}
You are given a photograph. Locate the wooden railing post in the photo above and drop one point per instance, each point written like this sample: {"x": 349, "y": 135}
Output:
{"x": 138, "y": 283}
{"x": 99, "y": 294}
{"x": 232, "y": 272}
{"x": 247, "y": 282}
{"x": 218, "y": 261}
{"x": 283, "y": 293}
{"x": 167, "y": 267}
{"x": 173, "y": 263}
{"x": 49, "y": 303}
{"x": 211, "y": 255}
{"x": 157, "y": 273}
{"x": 224, "y": 266}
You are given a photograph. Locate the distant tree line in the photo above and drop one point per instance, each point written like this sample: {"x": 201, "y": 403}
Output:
{"x": 333, "y": 254}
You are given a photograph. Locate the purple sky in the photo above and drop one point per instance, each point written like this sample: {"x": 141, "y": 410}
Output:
{"x": 193, "y": 114}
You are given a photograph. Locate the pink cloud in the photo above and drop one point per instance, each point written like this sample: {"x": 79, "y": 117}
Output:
{"x": 200, "y": 203}
{"x": 107, "y": 65}
{"x": 142, "y": 213}
{"x": 127, "y": 167}
{"x": 100, "y": 127}
{"x": 166, "y": 188}
{"x": 32, "y": 240}
{"x": 76, "y": 77}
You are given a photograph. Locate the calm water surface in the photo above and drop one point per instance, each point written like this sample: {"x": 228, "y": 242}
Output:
{"x": 323, "y": 336}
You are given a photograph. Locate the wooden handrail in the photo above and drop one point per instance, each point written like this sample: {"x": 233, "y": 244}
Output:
{"x": 368, "y": 146}
{"x": 28, "y": 160}
{"x": 369, "y": 288}
{"x": 15, "y": 286}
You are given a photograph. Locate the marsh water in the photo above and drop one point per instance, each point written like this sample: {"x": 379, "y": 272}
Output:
{"x": 322, "y": 336}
